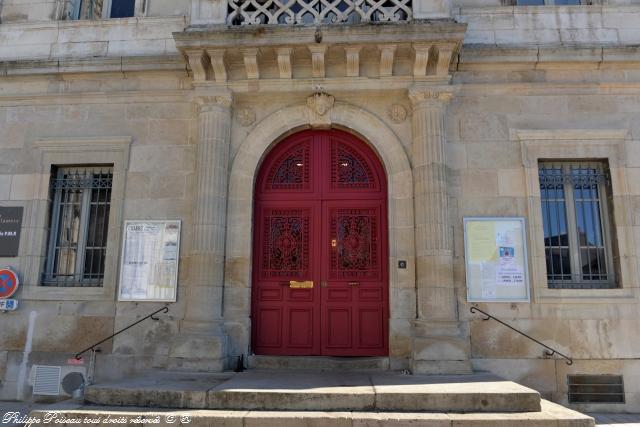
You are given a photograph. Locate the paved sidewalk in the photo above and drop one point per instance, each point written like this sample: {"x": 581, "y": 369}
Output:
{"x": 7, "y": 407}
{"x": 602, "y": 420}
{"x": 617, "y": 420}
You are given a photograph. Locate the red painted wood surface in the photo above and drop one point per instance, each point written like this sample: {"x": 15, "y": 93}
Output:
{"x": 321, "y": 215}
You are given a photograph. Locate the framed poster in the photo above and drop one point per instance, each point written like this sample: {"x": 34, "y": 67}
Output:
{"x": 496, "y": 260}
{"x": 149, "y": 266}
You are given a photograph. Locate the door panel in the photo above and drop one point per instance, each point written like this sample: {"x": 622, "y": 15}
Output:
{"x": 353, "y": 253}
{"x": 320, "y": 216}
{"x": 283, "y": 253}
{"x": 338, "y": 329}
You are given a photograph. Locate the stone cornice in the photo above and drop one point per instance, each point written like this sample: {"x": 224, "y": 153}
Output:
{"x": 130, "y": 64}
{"x": 489, "y": 57}
{"x": 249, "y": 52}
{"x": 568, "y": 134}
{"x": 222, "y": 36}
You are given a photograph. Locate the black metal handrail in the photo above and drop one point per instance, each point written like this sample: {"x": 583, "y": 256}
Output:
{"x": 548, "y": 350}
{"x": 150, "y": 316}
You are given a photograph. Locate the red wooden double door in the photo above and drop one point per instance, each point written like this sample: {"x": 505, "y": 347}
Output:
{"x": 320, "y": 264}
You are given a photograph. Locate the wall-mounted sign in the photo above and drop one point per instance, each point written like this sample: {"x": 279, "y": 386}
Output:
{"x": 8, "y": 304}
{"x": 496, "y": 260}
{"x": 8, "y": 283}
{"x": 150, "y": 255}
{"x": 10, "y": 224}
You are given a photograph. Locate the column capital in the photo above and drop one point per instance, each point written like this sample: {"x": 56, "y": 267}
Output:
{"x": 436, "y": 95}
{"x": 206, "y": 102}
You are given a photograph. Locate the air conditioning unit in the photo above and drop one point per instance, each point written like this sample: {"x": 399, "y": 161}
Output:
{"x": 58, "y": 380}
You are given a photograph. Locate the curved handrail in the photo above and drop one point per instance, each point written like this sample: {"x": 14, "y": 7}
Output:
{"x": 549, "y": 351}
{"x": 150, "y": 316}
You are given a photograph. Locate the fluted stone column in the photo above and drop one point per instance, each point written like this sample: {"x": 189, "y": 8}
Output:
{"x": 201, "y": 331}
{"x": 440, "y": 346}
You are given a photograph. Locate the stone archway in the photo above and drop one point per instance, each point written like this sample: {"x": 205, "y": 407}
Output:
{"x": 269, "y": 131}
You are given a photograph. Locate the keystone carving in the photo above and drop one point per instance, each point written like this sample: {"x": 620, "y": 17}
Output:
{"x": 319, "y": 105}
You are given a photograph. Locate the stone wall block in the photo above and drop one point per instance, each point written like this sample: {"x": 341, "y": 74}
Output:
{"x": 479, "y": 182}
{"x": 537, "y": 374}
{"x": 493, "y": 155}
{"x": 435, "y": 271}
{"x": 441, "y": 348}
{"x": 403, "y": 303}
{"x": 69, "y": 334}
{"x": 511, "y": 182}
{"x": 491, "y": 340}
{"x": 177, "y": 158}
{"x": 436, "y": 303}
{"x": 604, "y": 338}
{"x": 5, "y": 187}
{"x": 23, "y": 186}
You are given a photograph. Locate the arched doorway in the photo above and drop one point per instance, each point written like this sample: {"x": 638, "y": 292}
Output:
{"x": 320, "y": 262}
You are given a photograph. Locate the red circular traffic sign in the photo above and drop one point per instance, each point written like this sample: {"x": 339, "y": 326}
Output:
{"x": 8, "y": 283}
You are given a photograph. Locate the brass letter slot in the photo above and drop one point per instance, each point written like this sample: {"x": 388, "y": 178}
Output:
{"x": 307, "y": 284}
{"x": 352, "y": 284}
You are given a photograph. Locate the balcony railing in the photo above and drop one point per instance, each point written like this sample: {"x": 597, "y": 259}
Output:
{"x": 308, "y": 12}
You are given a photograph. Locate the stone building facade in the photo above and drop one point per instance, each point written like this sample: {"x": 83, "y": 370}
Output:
{"x": 463, "y": 103}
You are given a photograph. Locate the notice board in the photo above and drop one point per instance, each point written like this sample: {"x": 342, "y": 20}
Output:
{"x": 496, "y": 259}
{"x": 10, "y": 225}
{"x": 149, "y": 266}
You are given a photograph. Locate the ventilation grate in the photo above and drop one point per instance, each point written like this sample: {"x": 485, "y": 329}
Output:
{"x": 47, "y": 380}
{"x": 595, "y": 389}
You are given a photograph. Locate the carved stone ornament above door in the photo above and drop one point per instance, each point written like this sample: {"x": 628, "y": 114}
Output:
{"x": 319, "y": 105}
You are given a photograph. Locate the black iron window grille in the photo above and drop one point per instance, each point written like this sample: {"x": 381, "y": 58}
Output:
{"x": 81, "y": 201}
{"x": 575, "y": 217}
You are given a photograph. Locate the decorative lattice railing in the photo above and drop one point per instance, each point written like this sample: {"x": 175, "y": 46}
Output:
{"x": 255, "y": 12}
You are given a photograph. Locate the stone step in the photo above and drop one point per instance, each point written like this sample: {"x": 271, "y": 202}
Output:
{"x": 318, "y": 363}
{"x": 313, "y": 391}
{"x": 551, "y": 415}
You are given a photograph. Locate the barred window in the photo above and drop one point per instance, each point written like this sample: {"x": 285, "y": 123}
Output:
{"x": 81, "y": 200}
{"x": 576, "y": 224}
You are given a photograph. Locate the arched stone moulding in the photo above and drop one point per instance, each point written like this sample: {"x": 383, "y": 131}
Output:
{"x": 246, "y": 163}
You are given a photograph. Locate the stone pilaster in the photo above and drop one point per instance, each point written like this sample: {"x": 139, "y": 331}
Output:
{"x": 440, "y": 346}
{"x": 201, "y": 334}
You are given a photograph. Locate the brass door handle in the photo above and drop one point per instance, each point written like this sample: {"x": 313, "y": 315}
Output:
{"x": 305, "y": 284}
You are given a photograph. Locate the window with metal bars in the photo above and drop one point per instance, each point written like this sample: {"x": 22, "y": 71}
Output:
{"x": 576, "y": 224}
{"x": 81, "y": 200}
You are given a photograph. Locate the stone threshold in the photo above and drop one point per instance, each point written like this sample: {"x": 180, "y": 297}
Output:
{"x": 551, "y": 414}
{"x": 290, "y": 390}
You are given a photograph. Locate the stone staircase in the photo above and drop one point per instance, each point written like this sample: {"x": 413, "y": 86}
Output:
{"x": 327, "y": 399}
